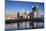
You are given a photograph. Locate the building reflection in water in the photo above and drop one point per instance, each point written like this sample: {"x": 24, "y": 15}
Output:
{"x": 22, "y": 25}
{"x": 25, "y": 25}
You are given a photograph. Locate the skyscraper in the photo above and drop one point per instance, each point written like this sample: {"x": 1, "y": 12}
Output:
{"x": 35, "y": 10}
{"x": 18, "y": 14}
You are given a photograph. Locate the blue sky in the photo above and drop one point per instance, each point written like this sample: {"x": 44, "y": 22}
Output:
{"x": 16, "y": 6}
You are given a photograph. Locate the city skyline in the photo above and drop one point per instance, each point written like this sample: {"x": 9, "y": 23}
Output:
{"x": 20, "y": 15}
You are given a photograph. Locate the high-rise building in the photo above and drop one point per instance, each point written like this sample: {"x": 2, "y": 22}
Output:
{"x": 31, "y": 14}
{"x": 35, "y": 10}
{"x": 18, "y": 15}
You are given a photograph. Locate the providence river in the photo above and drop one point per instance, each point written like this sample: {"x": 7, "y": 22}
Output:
{"x": 22, "y": 25}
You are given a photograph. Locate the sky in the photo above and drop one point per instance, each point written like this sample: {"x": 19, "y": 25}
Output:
{"x": 17, "y": 6}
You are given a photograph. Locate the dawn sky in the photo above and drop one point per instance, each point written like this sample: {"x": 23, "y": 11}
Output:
{"x": 16, "y": 6}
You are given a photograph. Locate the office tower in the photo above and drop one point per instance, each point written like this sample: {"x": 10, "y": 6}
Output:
{"x": 25, "y": 12}
{"x": 35, "y": 11}
{"x": 18, "y": 14}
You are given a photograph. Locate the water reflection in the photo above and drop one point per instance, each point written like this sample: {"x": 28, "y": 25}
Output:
{"x": 23, "y": 25}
